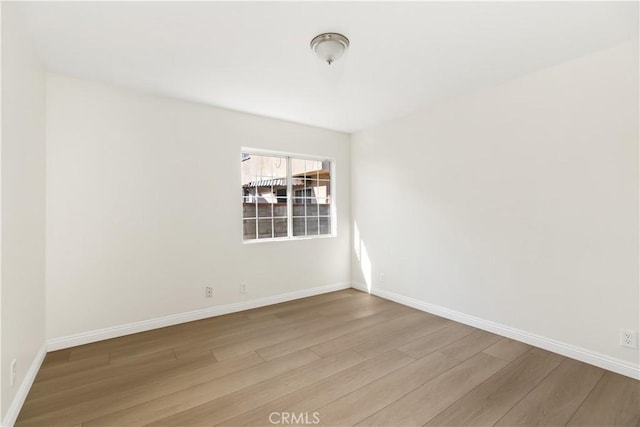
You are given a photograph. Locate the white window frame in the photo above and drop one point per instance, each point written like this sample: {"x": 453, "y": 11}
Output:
{"x": 290, "y": 236}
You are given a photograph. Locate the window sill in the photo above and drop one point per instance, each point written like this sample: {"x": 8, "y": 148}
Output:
{"x": 287, "y": 239}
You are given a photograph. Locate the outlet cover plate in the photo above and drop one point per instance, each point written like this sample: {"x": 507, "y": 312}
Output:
{"x": 628, "y": 338}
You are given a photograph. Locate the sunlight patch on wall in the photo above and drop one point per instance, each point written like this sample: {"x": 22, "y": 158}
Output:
{"x": 356, "y": 240}
{"x": 362, "y": 255}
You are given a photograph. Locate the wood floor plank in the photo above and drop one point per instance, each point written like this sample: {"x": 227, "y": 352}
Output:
{"x": 420, "y": 405}
{"x": 142, "y": 358}
{"x": 56, "y": 357}
{"x": 436, "y": 340}
{"x": 308, "y": 304}
{"x": 368, "y": 310}
{"x": 172, "y": 403}
{"x": 106, "y": 377}
{"x": 381, "y": 343}
{"x": 507, "y": 349}
{"x": 61, "y": 369}
{"x": 556, "y": 398}
{"x": 218, "y": 410}
{"x": 371, "y": 398}
{"x": 615, "y": 401}
{"x": 368, "y": 303}
{"x": 193, "y": 351}
{"x": 233, "y": 348}
{"x": 309, "y": 399}
{"x": 144, "y": 338}
{"x": 307, "y": 339}
{"x": 216, "y": 340}
{"x": 200, "y": 333}
{"x": 361, "y": 336}
{"x": 333, "y": 308}
{"x": 468, "y": 346}
{"x": 488, "y": 402}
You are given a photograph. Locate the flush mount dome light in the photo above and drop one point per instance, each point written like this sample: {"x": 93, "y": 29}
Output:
{"x": 329, "y": 46}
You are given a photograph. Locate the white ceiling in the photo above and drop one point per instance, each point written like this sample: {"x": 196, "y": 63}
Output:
{"x": 255, "y": 57}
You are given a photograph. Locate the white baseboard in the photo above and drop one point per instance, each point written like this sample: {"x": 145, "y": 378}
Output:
{"x": 21, "y": 395}
{"x": 609, "y": 363}
{"x": 174, "y": 319}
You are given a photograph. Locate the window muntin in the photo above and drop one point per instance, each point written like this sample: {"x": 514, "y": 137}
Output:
{"x": 285, "y": 197}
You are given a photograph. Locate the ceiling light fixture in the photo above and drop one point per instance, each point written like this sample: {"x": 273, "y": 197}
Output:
{"x": 329, "y": 46}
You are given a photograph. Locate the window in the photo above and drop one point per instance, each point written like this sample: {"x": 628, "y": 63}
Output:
{"x": 285, "y": 197}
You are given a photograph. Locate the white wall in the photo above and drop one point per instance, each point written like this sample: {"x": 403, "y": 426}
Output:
{"x": 144, "y": 208}
{"x": 23, "y": 204}
{"x": 517, "y": 204}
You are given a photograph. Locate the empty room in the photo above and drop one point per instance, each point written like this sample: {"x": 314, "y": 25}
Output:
{"x": 332, "y": 213}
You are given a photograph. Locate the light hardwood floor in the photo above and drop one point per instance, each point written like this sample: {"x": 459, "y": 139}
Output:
{"x": 344, "y": 358}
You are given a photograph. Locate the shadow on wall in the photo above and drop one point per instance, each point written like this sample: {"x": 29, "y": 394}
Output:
{"x": 362, "y": 255}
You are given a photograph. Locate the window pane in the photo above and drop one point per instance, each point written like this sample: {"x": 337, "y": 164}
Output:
{"x": 248, "y": 210}
{"x": 249, "y": 169}
{"x": 313, "y": 167}
{"x": 298, "y": 207}
{"x": 280, "y": 227}
{"x": 325, "y": 225}
{"x": 298, "y": 226}
{"x": 265, "y": 229}
{"x": 322, "y": 189}
{"x": 264, "y": 210}
{"x": 297, "y": 167}
{"x": 248, "y": 191}
{"x": 298, "y": 186}
{"x": 324, "y": 210}
{"x": 265, "y": 191}
{"x": 312, "y": 226}
{"x": 281, "y": 194}
{"x": 249, "y": 229}
{"x": 280, "y": 209}
{"x": 272, "y": 167}
{"x": 312, "y": 208}
{"x": 325, "y": 170}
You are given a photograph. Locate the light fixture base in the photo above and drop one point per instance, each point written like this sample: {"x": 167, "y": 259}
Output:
{"x": 329, "y": 46}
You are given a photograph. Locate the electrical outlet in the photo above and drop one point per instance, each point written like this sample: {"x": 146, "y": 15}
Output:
{"x": 243, "y": 287}
{"x": 14, "y": 372}
{"x": 628, "y": 338}
{"x": 383, "y": 277}
{"x": 208, "y": 292}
